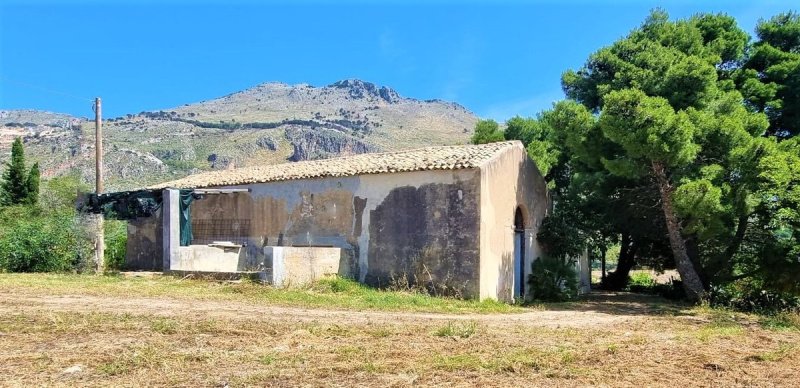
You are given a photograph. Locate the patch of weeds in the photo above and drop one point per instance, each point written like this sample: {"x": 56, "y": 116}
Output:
{"x": 267, "y": 359}
{"x": 258, "y": 378}
{"x": 457, "y": 362}
{"x": 517, "y": 361}
{"x": 143, "y": 357}
{"x": 457, "y": 329}
{"x": 382, "y": 332}
{"x": 612, "y": 348}
{"x": 724, "y": 319}
{"x": 711, "y": 331}
{"x": 195, "y": 357}
{"x": 335, "y": 284}
{"x": 779, "y": 354}
{"x": 781, "y": 321}
{"x": 371, "y": 367}
{"x": 232, "y": 289}
{"x": 350, "y": 352}
{"x": 114, "y": 368}
{"x": 328, "y": 331}
{"x": 164, "y": 326}
{"x": 566, "y": 356}
{"x": 567, "y": 373}
{"x": 207, "y": 326}
{"x": 43, "y": 361}
{"x": 296, "y": 360}
{"x": 147, "y": 357}
{"x": 638, "y": 340}
{"x": 723, "y": 323}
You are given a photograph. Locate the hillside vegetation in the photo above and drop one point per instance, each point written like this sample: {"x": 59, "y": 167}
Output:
{"x": 270, "y": 123}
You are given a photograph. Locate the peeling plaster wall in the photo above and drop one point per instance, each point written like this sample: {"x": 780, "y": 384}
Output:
{"x": 509, "y": 180}
{"x": 423, "y": 222}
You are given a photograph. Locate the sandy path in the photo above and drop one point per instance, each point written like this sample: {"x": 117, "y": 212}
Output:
{"x": 599, "y": 312}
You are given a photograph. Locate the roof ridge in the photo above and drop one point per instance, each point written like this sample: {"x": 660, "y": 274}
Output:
{"x": 397, "y": 152}
{"x": 447, "y": 157}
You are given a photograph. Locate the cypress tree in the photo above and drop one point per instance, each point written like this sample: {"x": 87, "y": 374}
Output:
{"x": 32, "y": 184}
{"x": 14, "y": 187}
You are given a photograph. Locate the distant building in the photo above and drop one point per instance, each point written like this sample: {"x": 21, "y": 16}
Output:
{"x": 462, "y": 219}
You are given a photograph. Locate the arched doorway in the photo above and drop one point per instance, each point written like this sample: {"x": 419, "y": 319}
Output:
{"x": 519, "y": 254}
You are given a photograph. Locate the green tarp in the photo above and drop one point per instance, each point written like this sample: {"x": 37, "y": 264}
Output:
{"x": 125, "y": 205}
{"x": 187, "y": 197}
{"x": 129, "y": 205}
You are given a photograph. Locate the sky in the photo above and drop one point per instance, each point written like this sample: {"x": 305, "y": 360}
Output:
{"x": 498, "y": 59}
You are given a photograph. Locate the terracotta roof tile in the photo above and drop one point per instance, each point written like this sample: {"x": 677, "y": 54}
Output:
{"x": 429, "y": 158}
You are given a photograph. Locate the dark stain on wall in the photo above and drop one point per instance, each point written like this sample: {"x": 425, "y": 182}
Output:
{"x": 430, "y": 234}
{"x": 358, "y": 207}
{"x": 144, "y": 249}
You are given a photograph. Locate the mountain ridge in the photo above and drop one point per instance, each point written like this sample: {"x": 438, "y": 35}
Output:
{"x": 271, "y": 122}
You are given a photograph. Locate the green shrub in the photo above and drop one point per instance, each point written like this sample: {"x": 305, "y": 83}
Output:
{"x": 641, "y": 282}
{"x": 31, "y": 241}
{"x": 644, "y": 283}
{"x": 46, "y": 237}
{"x": 749, "y": 296}
{"x": 642, "y": 279}
{"x": 116, "y": 237}
{"x": 553, "y": 279}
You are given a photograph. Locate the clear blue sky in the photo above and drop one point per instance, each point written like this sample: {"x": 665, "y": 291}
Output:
{"x": 498, "y": 59}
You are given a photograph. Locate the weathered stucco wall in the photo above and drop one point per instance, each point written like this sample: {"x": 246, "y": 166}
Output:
{"x": 424, "y": 224}
{"x": 450, "y": 228}
{"x": 143, "y": 250}
{"x": 508, "y": 181}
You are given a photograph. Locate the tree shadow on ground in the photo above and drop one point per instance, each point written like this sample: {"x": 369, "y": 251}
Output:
{"x": 622, "y": 303}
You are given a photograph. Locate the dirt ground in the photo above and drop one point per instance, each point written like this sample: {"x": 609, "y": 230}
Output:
{"x": 609, "y": 339}
{"x": 590, "y": 313}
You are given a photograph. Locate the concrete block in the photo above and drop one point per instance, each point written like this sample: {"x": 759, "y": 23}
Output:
{"x": 294, "y": 266}
{"x": 209, "y": 258}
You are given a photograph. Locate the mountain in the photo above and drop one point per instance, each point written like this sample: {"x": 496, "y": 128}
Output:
{"x": 269, "y": 123}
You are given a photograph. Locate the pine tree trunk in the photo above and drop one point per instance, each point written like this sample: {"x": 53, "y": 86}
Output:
{"x": 618, "y": 279}
{"x": 691, "y": 280}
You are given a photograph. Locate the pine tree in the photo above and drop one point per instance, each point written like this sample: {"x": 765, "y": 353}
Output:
{"x": 14, "y": 187}
{"x": 487, "y": 131}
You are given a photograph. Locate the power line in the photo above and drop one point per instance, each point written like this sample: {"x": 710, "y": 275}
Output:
{"x": 45, "y": 89}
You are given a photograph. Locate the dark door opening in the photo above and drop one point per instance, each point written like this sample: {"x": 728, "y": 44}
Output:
{"x": 519, "y": 254}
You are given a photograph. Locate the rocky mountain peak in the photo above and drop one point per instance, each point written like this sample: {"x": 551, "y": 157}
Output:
{"x": 269, "y": 123}
{"x": 359, "y": 89}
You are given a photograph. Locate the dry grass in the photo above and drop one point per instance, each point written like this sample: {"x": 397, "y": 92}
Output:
{"x": 169, "y": 346}
{"x": 331, "y": 293}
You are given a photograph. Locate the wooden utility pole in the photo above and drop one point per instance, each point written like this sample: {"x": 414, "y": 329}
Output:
{"x": 99, "y": 243}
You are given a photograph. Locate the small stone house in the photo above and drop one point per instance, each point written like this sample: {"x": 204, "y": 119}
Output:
{"x": 462, "y": 218}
